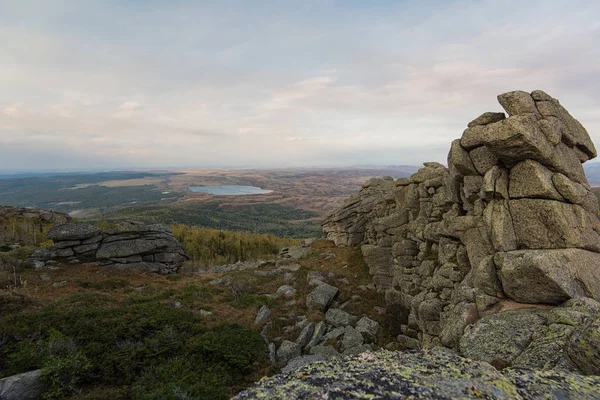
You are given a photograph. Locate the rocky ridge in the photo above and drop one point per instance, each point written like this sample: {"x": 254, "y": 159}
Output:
{"x": 130, "y": 245}
{"x": 494, "y": 258}
{"x": 511, "y": 224}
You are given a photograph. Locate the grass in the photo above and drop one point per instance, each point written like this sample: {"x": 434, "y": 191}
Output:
{"x": 113, "y": 334}
{"x": 119, "y": 334}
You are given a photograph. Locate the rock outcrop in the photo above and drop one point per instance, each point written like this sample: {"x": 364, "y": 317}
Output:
{"x": 433, "y": 374}
{"x": 130, "y": 245}
{"x": 492, "y": 244}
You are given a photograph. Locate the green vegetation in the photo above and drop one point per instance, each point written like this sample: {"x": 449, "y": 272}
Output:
{"x": 211, "y": 246}
{"x": 59, "y": 192}
{"x": 274, "y": 219}
{"x": 91, "y": 346}
{"x": 24, "y": 230}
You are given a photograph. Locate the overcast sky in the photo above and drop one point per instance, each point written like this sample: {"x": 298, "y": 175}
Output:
{"x": 117, "y": 84}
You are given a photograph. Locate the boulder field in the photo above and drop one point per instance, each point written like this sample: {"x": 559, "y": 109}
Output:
{"x": 495, "y": 259}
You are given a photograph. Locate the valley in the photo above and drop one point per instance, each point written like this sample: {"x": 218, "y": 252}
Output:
{"x": 297, "y": 202}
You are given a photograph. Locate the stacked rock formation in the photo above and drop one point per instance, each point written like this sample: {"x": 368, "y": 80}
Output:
{"x": 493, "y": 241}
{"x": 130, "y": 245}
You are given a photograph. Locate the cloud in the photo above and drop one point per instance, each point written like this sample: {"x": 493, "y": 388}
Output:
{"x": 347, "y": 83}
{"x": 11, "y": 111}
{"x": 130, "y": 106}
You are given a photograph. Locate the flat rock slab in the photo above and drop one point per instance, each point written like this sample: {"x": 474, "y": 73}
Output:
{"x": 433, "y": 374}
{"x": 73, "y": 232}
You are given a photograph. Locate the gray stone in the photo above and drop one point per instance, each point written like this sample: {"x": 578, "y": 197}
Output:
{"x": 519, "y": 103}
{"x": 132, "y": 247}
{"x": 286, "y": 291}
{"x": 306, "y": 334}
{"x": 333, "y": 334}
{"x": 66, "y": 243}
{"x": 337, "y": 317}
{"x": 368, "y": 329}
{"x": 549, "y": 276}
{"x": 72, "y": 232}
{"x": 428, "y": 374}
{"x": 500, "y": 338}
{"x": 84, "y": 248}
{"x": 288, "y": 351}
{"x": 549, "y": 224}
{"x": 320, "y": 298}
{"x": 25, "y": 386}
{"x": 482, "y": 159}
{"x": 487, "y": 118}
{"x": 64, "y": 252}
{"x": 459, "y": 158}
{"x": 530, "y": 179}
{"x": 570, "y": 126}
{"x": 363, "y": 348}
{"x": 352, "y": 338}
{"x": 296, "y": 252}
{"x": 495, "y": 184}
{"x": 499, "y": 220}
{"x": 263, "y": 315}
{"x": 575, "y": 193}
{"x": 584, "y": 346}
{"x": 324, "y": 350}
{"x": 301, "y": 361}
{"x": 290, "y": 267}
{"x": 320, "y": 328}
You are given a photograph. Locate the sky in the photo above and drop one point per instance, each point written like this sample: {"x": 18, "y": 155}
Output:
{"x": 172, "y": 84}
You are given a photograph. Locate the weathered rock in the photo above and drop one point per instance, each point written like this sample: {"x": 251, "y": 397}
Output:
{"x": 306, "y": 334}
{"x": 73, "y": 232}
{"x": 584, "y": 347}
{"x": 483, "y": 159}
{"x": 459, "y": 158}
{"x": 530, "y": 179}
{"x": 500, "y": 224}
{"x": 301, "y": 361}
{"x": 500, "y": 338}
{"x": 549, "y": 224}
{"x": 295, "y": 252}
{"x": 337, "y": 317}
{"x": 519, "y": 103}
{"x": 487, "y": 118}
{"x": 429, "y": 374}
{"x": 324, "y": 350}
{"x": 320, "y": 298}
{"x": 575, "y": 193}
{"x": 366, "y": 347}
{"x": 549, "y": 276}
{"x": 352, "y": 338}
{"x": 25, "y": 386}
{"x": 286, "y": 291}
{"x": 495, "y": 184}
{"x": 442, "y": 244}
{"x": 318, "y": 332}
{"x": 570, "y": 126}
{"x": 368, "y": 328}
{"x": 288, "y": 351}
{"x": 263, "y": 315}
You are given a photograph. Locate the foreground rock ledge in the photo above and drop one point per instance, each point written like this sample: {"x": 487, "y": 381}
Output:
{"x": 432, "y": 374}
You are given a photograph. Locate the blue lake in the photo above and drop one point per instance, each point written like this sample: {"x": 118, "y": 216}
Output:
{"x": 229, "y": 190}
